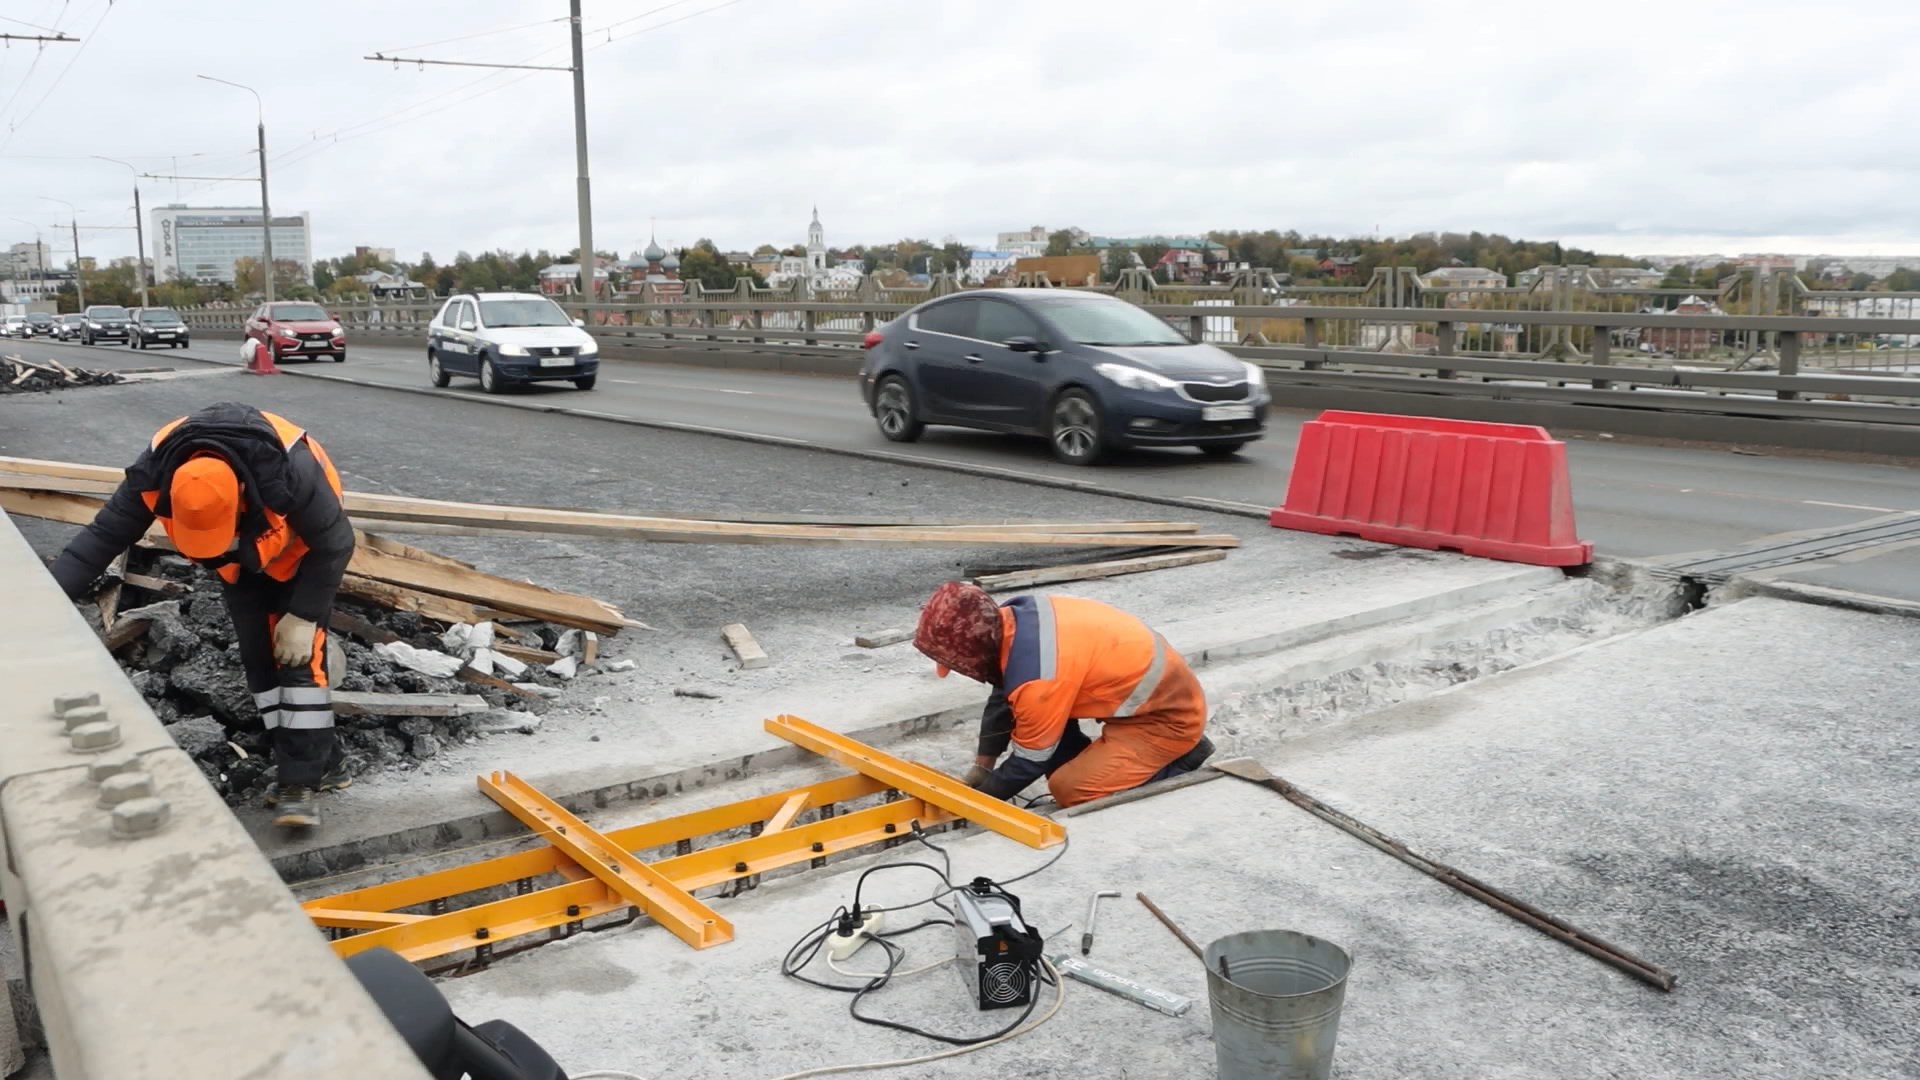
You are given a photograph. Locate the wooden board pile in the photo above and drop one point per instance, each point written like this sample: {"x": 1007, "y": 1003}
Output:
{"x": 22, "y": 376}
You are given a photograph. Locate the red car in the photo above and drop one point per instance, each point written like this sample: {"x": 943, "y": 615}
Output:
{"x": 297, "y": 328}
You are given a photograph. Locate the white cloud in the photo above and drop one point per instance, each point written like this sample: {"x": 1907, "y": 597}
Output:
{"x": 1745, "y": 125}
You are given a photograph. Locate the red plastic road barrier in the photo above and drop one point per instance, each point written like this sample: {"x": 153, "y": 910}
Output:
{"x": 260, "y": 359}
{"x": 1499, "y": 491}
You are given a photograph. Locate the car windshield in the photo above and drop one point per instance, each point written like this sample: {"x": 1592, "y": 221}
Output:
{"x": 39, "y": 316}
{"x": 158, "y": 315}
{"x": 108, "y": 312}
{"x": 1096, "y": 322}
{"x": 301, "y": 313}
{"x": 73, "y": 318}
{"x": 530, "y": 312}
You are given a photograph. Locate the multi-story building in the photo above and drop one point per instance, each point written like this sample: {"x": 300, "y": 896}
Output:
{"x": 982, "y": 265}
{"x": 201, "y": 244}
{"x": 24, "y": 260}
{"x": 381, "y": 255}
{"x": 1025, "y": 243}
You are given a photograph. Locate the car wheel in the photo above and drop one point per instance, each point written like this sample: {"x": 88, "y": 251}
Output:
{"x": 435, "y": 371}
{"x": 585, "y": 382}
{"x": 340, "y": 357}
{"x": 1076, "y": 429}
{"x": 893, "y": 410}
{"x": 489, "y": 379}
{"x": 1223, "y": 449}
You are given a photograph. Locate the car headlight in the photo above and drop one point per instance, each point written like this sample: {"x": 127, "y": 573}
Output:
{"x": 1133, "y": 378}
{"x": 338, "y": 331}
{"x": 591, "y": 348}
{"x": 1256, "y": 376}
{"x": 93, "y": 326}
{"x": 511, "y": 349}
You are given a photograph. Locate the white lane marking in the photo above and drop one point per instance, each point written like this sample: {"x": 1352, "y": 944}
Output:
{"x": 1850, "y": 506}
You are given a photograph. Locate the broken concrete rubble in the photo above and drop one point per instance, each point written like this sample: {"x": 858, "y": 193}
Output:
{"x": 564, "y": 668}
{"x": 425, "y": 661}
{"x": 198, "y": 736}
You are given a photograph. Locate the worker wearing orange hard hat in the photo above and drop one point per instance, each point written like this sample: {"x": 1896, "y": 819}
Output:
{"x": 255, "y": 499}
{"x": 1053, "y": 661}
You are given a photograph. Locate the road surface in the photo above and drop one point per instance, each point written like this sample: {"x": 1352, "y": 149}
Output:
{"x": 1632, "y": 500}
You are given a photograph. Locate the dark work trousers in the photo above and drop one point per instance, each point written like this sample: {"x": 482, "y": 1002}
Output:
{"x": 295, "y": 703}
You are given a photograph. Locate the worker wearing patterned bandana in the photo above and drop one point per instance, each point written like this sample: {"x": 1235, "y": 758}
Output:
{"x": 1056, "y": 660}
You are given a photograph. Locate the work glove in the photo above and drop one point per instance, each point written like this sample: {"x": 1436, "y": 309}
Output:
{"x": 293, "y": 641}
{"x": 976, "y": 776}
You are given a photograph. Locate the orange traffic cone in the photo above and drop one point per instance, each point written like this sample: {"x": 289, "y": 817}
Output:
{"x": 259, "y": 358}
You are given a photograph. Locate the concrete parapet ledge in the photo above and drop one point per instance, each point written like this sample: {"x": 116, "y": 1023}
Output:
{"x": 174, "y": 952}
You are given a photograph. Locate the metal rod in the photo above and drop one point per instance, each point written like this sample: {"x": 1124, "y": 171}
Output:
{"x": 1167, "y": 921}
{"x": 463, "y": 63}
{"x": 1513, "y": 907}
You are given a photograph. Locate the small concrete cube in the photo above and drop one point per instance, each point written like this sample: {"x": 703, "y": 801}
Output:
{"x": 99, "y": 735}
{"x": 122, "y": 787}
{"x": 111, "y": 765}
{"x": 138, "y": 817}
{"x": 64, "y": 702}
{"x": 85, "y": 714}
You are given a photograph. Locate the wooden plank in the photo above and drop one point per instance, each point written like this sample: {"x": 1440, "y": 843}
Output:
{"x": 880, "y": 639}
{"x": 358, "y": 703}
{"x": 481, "y": 678}
{"x": 1053, "y": 575}
{"x": 108, "y": 599}
{"x": 25, "y": 482}
{"x": 522, "y": 652}
{"x": 589, "y": 647}
{"x": 395, "y": 548}
{"x": 125, "y": 633}
{"x": 399, "y": 598}
{"x": 567, "y": 609}
{"x": 672, "y": 530}
{"x": 159, "y": 585}
{"x": 747, "y": 650}
{"x": 346, "y": 622}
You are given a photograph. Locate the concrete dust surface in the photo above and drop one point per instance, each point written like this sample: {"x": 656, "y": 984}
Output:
{"x": 1749, "y": 827}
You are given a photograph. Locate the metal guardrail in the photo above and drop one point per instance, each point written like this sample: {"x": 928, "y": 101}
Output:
{"x": 1425, "y": 349}
{"x": 173, "y": 951}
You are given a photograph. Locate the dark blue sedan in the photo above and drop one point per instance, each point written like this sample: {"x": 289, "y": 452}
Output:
{"x": 1086, "y": 371}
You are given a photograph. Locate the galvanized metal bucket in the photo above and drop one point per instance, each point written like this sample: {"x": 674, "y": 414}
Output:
{"x": 1276, "y": 1008}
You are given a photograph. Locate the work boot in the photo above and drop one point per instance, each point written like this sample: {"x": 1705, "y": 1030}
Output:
{"x": 335, "y": 779}
{"x": 298, "y": 810}
{"x": 1195, "y": 757}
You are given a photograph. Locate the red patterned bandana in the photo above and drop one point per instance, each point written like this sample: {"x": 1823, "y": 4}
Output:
{"x": 960, "y": 629}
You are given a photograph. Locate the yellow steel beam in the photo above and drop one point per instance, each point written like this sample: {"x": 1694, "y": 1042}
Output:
{"x": 646, "y": 888}
{"x": 501, "y": 870}
{"x": 931, "y": 785}
{"x": 789, "y": 810}
{"x": 342, "y": 919}
{"x": 543, "y": 909}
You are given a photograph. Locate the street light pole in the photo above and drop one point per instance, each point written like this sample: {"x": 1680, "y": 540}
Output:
{"x": 139, "y": 230}
{"x": 266, "y": 208}
{"x": 589, "y": 262}
{"x": 79, "y": 268}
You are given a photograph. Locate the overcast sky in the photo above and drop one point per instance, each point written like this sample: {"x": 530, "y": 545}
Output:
{"x": 1751, "y": 125}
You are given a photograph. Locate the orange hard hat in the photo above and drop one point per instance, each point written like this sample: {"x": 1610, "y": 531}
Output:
{"x": 206, "y": 507}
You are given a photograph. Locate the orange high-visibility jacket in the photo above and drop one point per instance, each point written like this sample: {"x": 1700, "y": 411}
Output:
{"x": 1065, "y": 658}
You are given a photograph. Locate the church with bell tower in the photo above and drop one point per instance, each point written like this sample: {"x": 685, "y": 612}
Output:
{"x": 816, "y": 251}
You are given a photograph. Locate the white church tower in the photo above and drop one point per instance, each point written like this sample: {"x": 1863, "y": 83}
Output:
{"x": 816, "y": 250}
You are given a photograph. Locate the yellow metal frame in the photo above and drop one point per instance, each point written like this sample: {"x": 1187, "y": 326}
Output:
{"x": 931, "y": 785}
{"x": 603, "y": 874}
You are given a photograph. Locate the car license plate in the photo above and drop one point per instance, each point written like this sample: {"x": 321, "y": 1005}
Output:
{"x": 556, "y": 361}
{"x": 1227, "y": 412}
{"x": 319, "y": 345}
{"x": 165, "y": 333}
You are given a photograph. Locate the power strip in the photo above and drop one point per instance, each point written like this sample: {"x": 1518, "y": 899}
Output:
{"x": 840, "y": 946}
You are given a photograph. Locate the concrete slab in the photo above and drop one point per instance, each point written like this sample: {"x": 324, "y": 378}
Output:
{"x": 1747, "y": 824}
{"x": 1889, "y": 572}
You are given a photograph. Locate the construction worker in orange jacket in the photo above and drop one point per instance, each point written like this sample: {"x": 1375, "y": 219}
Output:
{"x": 1056, "y": 660}
{"x": 255, "y": 499}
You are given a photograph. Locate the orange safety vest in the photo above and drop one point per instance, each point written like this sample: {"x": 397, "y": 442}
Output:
{"x": 1064, "y": 657}
{"x": 278, "y": 550}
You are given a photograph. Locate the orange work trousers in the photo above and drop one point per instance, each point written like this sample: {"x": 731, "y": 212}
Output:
{"x": 1130, "y": 751}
